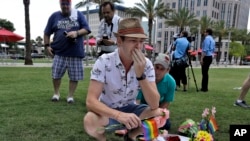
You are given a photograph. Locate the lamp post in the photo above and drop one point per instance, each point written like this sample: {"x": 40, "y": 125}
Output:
{"x": 87, "y": 36}
{"x": 229, "y": 40}
{"x": 198, "y": 44}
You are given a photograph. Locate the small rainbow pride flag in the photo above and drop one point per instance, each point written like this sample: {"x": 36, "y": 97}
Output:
{"x": 212, "y": 125}
{"x": 150, "y": 129}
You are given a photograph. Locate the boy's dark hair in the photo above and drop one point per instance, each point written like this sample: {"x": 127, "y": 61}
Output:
{"x": 105, "y": 3}
{"x": 209, "y": 31}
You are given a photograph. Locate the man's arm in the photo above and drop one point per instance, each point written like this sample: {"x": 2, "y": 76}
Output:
{"x": 149, "y": 89}
{"x": 92, "y": 101}
{"x": 99, "y": 108}
{"x": 204, "y": 49}
{"x": 46, "y": 39}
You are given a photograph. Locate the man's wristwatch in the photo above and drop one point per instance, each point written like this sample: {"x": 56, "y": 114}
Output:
{"x": 46, "y": 45}
{"x": 142, "y": 77}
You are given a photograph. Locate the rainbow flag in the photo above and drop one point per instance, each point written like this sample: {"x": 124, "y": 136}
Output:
{"x": 212, "y": 125}
{"x": 150, "y": 129}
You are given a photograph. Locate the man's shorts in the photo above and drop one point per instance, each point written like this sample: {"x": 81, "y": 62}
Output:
{"x": 73, "y": 65}
{"x": 131, "y": 108}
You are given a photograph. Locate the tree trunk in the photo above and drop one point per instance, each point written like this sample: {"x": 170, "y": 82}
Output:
{"x": 150, "y": 24}
{"x": 219, "y": 53}
{"x": 28, "y": 59}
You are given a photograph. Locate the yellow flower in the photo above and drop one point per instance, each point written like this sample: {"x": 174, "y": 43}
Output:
{"x": 203, "y": 136}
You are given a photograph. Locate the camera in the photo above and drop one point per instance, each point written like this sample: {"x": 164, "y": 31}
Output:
{"x": 71, "y": 39}
{"x": 104, "y": 37}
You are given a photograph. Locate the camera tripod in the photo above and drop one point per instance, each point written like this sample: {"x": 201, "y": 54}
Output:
{"x": 190, "y": 64}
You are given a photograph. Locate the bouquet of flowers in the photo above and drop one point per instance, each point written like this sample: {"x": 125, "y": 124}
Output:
{"x": 208, "y": 122}
{"x": 207, "y": 126}
{"x": 202, "y": 136}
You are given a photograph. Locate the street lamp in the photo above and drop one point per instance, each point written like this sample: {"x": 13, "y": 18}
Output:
{"x": 229, "y": 40}
{"x": 87, "y": 36}
{"x": 198, "y": 45}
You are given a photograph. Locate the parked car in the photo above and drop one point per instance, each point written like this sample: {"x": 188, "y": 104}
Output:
{"x": 36, "y": 55}
{"x": 245, "y": 62}
{"x": 17, "y": 56}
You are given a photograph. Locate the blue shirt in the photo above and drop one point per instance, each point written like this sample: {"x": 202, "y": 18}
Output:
{"x": 208, "y": 46}
{"x": 181, "y": 45}
{"x": 61, "y": 45}
{"x": 166, "y": 88}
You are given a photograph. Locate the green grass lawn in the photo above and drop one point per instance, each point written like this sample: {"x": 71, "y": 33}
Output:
{"x": 27, "y": 114}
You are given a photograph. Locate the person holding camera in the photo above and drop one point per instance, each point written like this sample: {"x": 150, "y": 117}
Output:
{"x": 181, "y": 47}
{"x": 105, "y": 38}
{"x": 67, "y": 50}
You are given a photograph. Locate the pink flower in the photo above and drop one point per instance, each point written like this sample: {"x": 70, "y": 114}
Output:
{"x": 161, "y": 120}
{"x": 205, "y": 113}
{"x": 213, "y": 111}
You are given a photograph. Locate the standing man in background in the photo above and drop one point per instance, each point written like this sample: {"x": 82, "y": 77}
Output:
{"x": 208, "y": 46}
{"x": 105, "y": 38}
{"x": 181, "y": 47}
{"x": 68, "y": 27}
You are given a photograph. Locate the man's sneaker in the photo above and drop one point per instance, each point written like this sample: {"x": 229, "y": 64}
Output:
{"x": 55, "y": 97}
{"x": 70, "y": 100}
{"x": 242, "y": 104}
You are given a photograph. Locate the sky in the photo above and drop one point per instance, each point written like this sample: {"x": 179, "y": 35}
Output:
{"x": 39, "y": 10}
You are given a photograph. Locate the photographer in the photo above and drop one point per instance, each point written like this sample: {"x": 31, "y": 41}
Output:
{"x": 181, "y": 46}
{"x": 105, "y": 38}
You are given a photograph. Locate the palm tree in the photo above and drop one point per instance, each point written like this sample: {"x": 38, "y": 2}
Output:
{"x": 83, "y": 3}
{"x": 149, "y": 9}
{"x": 181, "y": 19}
{"x": 205, "y": 23}
{"x": 220, "y": 31}
{"x": 28, "y": 60}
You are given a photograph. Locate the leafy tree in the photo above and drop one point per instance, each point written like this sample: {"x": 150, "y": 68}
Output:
{"x": 149, "y": 9}
{"x": 28, "y": 60}
{"x": 237, "y": 50}
{"x": 7, "y": 25}
{"x": 182, "y": 19}
{"x": 85, "y": 2}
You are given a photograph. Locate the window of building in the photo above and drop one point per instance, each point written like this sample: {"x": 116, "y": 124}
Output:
{"x": 160, "y": 25}
{"x": 205, "y": 2}
{"x": 168, "y": 5}
{"x": 173, "y": 5}
{"x": 186, "y": 3}
{"x": 198, "y": 13}
{"x": 198, "y": 2}
{"x": 204, "y": 13}
{"x": 159, "y": 35}
{"x": 180, "y": 4}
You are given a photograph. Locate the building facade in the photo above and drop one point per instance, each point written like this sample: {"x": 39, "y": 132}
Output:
{"x": 233, "y": 12}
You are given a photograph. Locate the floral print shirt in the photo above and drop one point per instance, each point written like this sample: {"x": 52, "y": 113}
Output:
{"x": 119, "y": 89}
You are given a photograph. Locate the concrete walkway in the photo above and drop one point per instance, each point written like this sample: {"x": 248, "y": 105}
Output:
{"x": 194, "y": 65}
{"x": 10, "y": 64}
